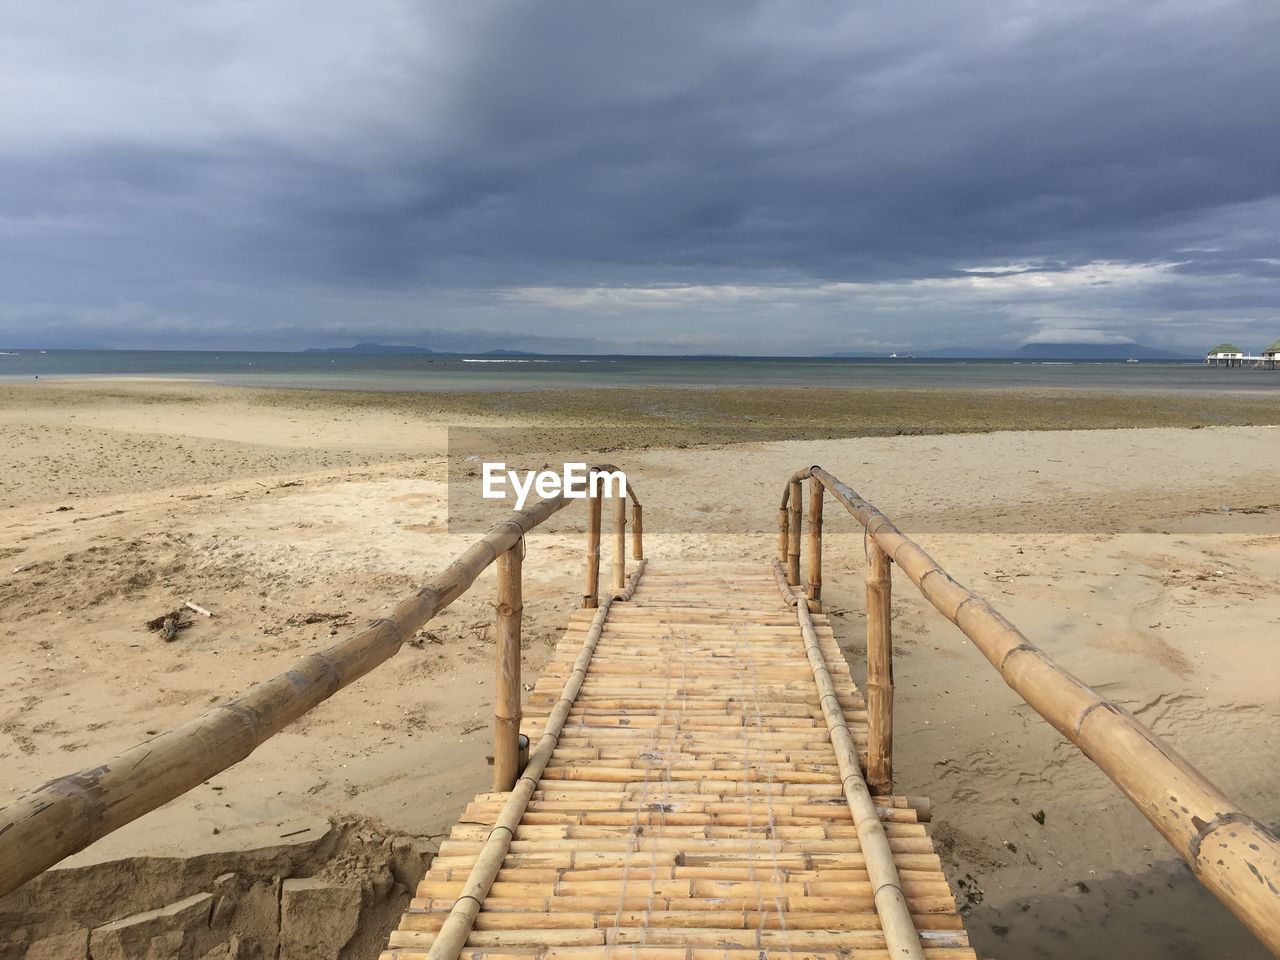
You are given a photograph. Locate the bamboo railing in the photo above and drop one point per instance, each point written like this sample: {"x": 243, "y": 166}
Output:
{"x": 591, "y": 595}
{"x": 67, "y": 814}
{"x": 900, "y": 934}
{"x": 458, "y": 924}
{"x": 1231, "y": 853}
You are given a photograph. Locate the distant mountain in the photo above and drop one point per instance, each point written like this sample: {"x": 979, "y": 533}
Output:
{"x": 370, "y": 348}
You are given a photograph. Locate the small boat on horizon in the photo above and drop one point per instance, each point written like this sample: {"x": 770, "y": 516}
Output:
{"x": 901, "y": 356}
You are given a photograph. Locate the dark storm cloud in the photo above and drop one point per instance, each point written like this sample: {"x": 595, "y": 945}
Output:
{"x": 849, "y": 146}
{"x": 274, "y": 172}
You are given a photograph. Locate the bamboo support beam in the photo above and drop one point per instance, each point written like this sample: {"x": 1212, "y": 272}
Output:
{"x": 591, "y": 593}
{"x": 793, "y": 533}
{"x": 620, "y": 542}
{"x": 1230, "y": 852}
{"x": 879, "y": 670}
{"x": 457, "y": 926}
{"x": 506, "y": 699}
{"x": 816, "y": 493}
{"x": 901, "y": 938}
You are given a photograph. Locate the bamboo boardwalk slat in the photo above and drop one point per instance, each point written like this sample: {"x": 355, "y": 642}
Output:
{"x": 693, "y": 806}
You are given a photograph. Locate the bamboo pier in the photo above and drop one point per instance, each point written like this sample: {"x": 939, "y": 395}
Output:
{"x": 705, "y": 780}
{"x": 695, "y": 802}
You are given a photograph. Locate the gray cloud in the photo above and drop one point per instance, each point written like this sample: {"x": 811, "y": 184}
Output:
{"x": 765, "y": 177}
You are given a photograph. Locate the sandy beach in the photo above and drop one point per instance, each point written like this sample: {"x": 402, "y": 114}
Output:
{"x": 1144, "y": 560}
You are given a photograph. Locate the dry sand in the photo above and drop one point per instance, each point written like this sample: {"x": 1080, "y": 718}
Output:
{"x": 295, "y": 520}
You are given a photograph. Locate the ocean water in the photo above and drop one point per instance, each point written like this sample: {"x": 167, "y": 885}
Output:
{"x": 424, "y": 372}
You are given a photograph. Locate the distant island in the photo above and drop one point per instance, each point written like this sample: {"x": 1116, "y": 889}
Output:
{"x": 1038, "y": 351}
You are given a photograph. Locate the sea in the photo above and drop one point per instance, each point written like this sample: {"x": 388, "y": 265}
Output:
{"x": 455, "y": 372}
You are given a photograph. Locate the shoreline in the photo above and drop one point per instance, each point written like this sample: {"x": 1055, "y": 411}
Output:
{"x": 460, "y": 373}
{"x": 414, "y": 384}
{"x": 944, "y": 408}
{"x": 369, "y": 385}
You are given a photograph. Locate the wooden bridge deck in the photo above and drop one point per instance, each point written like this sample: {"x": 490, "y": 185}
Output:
{"x": 693, "y": 806}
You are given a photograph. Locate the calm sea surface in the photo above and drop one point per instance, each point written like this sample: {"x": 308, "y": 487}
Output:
{"x": 348, "y": 371}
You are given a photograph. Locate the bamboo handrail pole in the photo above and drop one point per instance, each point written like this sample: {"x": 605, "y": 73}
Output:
{"x": 457, "y": 926}
{"x": 800, "y": 475}
{"x": 628, "y": 489}
{"x": 1230, "y": 852}
{"x": 506, "y": 700}
{"x": 591, "y": 592}
{"x": 620, "y": 542}
{"x": 879, "y": 670}
{"x": 901, "y": 938}
{"x": 67, "y": 814}
{"x": 793, "y": 534}
{"x": 816, "y": 493}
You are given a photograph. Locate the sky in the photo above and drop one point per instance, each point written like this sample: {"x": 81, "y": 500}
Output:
{"x": 657, "y": 177}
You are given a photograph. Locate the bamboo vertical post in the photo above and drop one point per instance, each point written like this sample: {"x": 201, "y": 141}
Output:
{"x": 784, "y": 524}
{"x": 816, "y": 492}
{"x": 591, "y": 595}
{"x": 879, "y": 670}
{"x": 637, "y": 530}
{"x": 506, "y": 700}
{"x": 620, "y": 542}
{"x": 793, "y": 533}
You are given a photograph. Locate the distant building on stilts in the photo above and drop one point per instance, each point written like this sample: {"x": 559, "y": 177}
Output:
{"x": 1225, "y": 355}
{"x": 1229, "y": 355}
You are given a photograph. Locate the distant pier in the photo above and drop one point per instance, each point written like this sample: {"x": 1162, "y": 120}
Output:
{"x": 1229, "y": 355}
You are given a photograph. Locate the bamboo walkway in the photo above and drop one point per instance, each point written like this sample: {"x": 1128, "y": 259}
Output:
{"x": 700, "y": 773}
{"x": 693, "y": 805}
